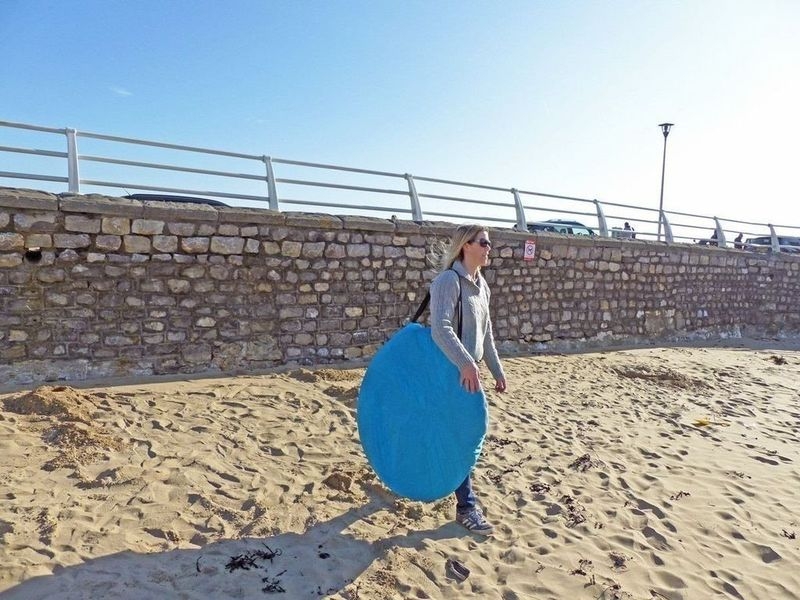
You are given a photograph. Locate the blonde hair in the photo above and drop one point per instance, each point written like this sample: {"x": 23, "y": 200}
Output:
{"x": 444, "y": 254}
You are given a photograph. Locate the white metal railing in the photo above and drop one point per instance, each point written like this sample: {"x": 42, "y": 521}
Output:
{"x": 504, "y": 206}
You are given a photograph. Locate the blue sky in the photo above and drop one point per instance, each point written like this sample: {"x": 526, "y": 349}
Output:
{"x": 556, "y": 97}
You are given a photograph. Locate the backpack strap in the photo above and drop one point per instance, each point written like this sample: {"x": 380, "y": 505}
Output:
{"x": 422, "y": 307}
{"x": 426, "y": 300}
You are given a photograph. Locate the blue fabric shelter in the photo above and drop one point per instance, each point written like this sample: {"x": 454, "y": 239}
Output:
{"x": 421, "y": 431}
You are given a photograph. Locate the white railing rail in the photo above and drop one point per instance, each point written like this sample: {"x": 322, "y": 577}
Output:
{"x": 504, "y": 206}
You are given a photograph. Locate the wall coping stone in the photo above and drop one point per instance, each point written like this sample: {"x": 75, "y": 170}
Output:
{"x": 179, "y": 211}
{"x": 437, "y": 227}
{"x": 238, "y": 214}
{"x": 101, "y": 205}
{"x": 313, "y": 220}
{"x": 24, "y": 198}
{"x": 407, "y": 226}
{"x": 370, "y": 223}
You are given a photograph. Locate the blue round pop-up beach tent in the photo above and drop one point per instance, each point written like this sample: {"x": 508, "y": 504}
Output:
{"x": 421, "y": 430}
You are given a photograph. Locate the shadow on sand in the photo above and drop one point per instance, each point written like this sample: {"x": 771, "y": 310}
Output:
{"x": 320, "y": 562}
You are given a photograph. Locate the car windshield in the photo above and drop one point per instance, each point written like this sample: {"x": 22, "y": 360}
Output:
{"x": 565, "y": 227}
{"x": 761, "y": 241}
{"x": 581, "y": 231}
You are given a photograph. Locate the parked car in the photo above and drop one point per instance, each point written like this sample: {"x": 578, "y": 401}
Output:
{"x": 764, "y": 244}
{"x": 561, "y": 226}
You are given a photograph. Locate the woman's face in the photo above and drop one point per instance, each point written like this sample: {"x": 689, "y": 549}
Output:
{"x": 476, "y": 251}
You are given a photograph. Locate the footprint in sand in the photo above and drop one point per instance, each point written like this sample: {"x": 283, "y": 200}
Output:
{"x": 148, "y": 445}
{"x": 656, "y": 540}
{"x": 645, "y": 505}
{"x": 765, "y": 553}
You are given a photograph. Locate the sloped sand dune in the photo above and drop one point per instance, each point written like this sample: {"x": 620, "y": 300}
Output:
{"x": 647, "y": 474}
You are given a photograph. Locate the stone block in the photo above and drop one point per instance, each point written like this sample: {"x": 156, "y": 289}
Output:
{"x": 147, "y": 226}
{"x": 116, "y": 225}
{"x": 291, "y": 249}
{"x": 21, "y": 198}
{"x": 206, "y": 229}
{"x": 70, "y": 256}
{"x": 271, "y": 248}
{"x": 227, "y": 245}
{"x": 38, "y": 240}
{"x": 313, "y": 249}
{"x": 368, "y": 223}
{"x": 119, "y": 340}
{"x": 250, "y": 215}
{"x": 184, "y": 229}
{"x": 358, "y": 250}
{"x": 10, "y": 260}
{"x": 303, "y": 339}
{"x": 179, "y": 286}
{"x": 102, "y": 205}
{"x": 82, "y": 224}
{"x": 108, "y": 242}
{"x": 195, "y": 245}
{"x": 416, "y": 253}
{"x": 194, "y": 272}
{"x": 68, "y": 240}
{"x": 335, "y": 251}
{"x": 35, "y": 222}
{"x": 313, "y": 221}
{"x": 407, "y": 227}
{"x": 179, "y": 211}
{"x": 11, "y": 241}
{"x": 136, "y": 243}
{"x": 51, "y": 275}
{"x": 228, "y": 229}
{"x": 165, "y": 243}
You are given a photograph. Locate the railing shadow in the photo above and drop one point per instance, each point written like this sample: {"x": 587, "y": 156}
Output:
{"x": 322, "y": 561}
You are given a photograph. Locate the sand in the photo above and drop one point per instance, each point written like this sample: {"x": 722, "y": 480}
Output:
{"x": 648, "y": 474}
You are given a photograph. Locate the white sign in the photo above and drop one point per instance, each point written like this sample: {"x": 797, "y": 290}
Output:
{"x": 530, "y": 250}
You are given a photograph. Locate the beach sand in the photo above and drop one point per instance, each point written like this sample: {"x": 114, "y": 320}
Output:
{"x": 647, "y": 474}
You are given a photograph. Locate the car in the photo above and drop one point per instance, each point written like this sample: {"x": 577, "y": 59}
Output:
{"x": 561, "y": 226}
{"x": 764, "y": 244}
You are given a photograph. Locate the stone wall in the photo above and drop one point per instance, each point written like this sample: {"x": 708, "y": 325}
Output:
{"x": 92, "y": 286}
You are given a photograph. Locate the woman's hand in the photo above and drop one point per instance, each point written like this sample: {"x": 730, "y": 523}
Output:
{"x": 470, "y": 379}
{"x": 500, "y": 385}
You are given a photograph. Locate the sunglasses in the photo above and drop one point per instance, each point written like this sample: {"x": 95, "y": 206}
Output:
{"x": 483, "y": 242}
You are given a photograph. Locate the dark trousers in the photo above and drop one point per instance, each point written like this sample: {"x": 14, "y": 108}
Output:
{"x": 465, "y": 497}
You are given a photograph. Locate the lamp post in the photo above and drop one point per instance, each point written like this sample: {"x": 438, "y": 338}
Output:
{"x": 665, "y": 127}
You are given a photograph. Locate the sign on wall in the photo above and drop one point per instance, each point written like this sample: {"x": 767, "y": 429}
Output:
{"x": 530, "y": 250}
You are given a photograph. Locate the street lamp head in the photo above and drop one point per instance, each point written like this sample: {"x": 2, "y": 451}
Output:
{"x": 665, "y": 127}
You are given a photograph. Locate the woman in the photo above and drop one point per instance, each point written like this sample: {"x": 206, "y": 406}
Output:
{"x": 460, "y": 264}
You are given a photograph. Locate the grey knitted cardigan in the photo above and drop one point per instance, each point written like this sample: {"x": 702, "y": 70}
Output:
{"x": 477, "y": 341}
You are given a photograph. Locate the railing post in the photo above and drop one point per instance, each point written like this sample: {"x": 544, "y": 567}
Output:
{"x": 667, "y": 228}
{"x": 272, "y": 190}
{"x": 522, "y": 225}
{"x": 73, "y": 175}
{"x": 720, "y": 234}
{"x": 776, "y": 246}
{"x": 416, "y": 211}
{"x": 601, "y": 219}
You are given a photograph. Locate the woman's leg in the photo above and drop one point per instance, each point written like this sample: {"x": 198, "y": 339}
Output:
{"x": 465, "y": 497}
{"x": 467, "y": 511}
